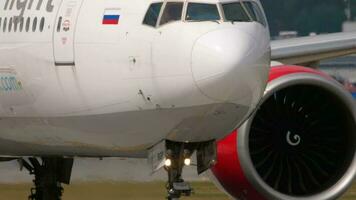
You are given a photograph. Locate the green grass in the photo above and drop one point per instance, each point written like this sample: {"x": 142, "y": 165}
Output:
{"x": 127, "y": 191}
{"x": 351, "y": 193}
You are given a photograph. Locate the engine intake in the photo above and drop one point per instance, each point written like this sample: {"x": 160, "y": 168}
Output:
{"x": 299, "y": 144}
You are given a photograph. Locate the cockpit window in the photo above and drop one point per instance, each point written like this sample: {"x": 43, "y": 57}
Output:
{"x": 172, "y": 12}
{"x": 255, "y": 12}
{"x": 202, "y": 12}
{"x": 152, "y": 14}
{"x": 235, "y": 12}
{"x": 244, "y": 11}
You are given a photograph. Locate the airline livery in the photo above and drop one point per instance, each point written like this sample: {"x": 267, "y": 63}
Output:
{"x": 165, "y": 80}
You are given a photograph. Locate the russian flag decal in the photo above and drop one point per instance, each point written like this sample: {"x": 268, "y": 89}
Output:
{"x": 111, "y": 16}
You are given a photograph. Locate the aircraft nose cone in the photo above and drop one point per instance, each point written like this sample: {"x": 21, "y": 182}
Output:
{"x": 227, "y": 65}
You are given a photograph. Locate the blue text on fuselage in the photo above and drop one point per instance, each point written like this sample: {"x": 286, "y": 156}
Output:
{"x": 9, "y": 83}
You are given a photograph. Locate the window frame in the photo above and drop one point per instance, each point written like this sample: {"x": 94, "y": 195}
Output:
{"x": 159, "y": 14}
{"x": 184, "y": 8}
{"x": 265, "y": 24}
{"x": 242, "y": 5}
{"x": 218, "y": 7}
{"x": 259, "y": 12}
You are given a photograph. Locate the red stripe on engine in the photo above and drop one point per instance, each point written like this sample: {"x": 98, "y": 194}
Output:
{"x": 229, "y": 172}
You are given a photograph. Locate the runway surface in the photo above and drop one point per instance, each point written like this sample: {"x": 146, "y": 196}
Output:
{"x": 113, "y": 178}
{"x": 126, "y": 191}
{"x": 93, "y": 169}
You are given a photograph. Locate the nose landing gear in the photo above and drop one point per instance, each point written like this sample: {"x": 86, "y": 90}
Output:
{"x": 177, "y": 156}
{"x": 174, "y": 156}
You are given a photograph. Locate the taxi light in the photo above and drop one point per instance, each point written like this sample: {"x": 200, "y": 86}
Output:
{"x": 168, "y": 162}
{"x": 187, "y": 161}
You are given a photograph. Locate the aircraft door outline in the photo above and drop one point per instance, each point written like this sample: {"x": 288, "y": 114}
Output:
{"x": 64, "y": 32}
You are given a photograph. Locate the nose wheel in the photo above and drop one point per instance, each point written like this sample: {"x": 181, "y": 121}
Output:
{"x": 177, "y": 189}
{"x": 177, "y": 156}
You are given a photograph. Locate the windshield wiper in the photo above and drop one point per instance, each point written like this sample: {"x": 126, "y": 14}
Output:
{"x": 237, "y": 20}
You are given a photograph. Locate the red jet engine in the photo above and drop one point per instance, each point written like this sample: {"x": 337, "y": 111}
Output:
{"x": 298, "y": 145}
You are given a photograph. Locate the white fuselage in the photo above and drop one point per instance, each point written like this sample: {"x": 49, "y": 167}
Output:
{"x": 79, "y": 87}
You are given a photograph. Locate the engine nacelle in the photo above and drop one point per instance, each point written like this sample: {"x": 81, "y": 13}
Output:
{"x": 300, "y": 144}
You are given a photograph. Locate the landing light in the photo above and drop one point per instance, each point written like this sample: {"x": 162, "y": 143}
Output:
{"x": 168, "y": 162}
{"x": 187, "y": 161}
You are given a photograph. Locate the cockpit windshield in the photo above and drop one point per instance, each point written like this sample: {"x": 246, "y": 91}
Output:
{"x": 202, "y": 12}
{"x": 161, "y": 13}
{"x": 243, "y": 11}
{"x": 255, "y": 12}
{"x": 172, "y": 12}
{"x": 235, "y": 12}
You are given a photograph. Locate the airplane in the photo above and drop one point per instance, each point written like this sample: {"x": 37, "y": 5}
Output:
{"x": 164, "y": 80}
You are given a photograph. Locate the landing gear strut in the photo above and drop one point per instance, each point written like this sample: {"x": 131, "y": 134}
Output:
{"x": 49, "y": 174}
{"x": 178, "y": 155}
